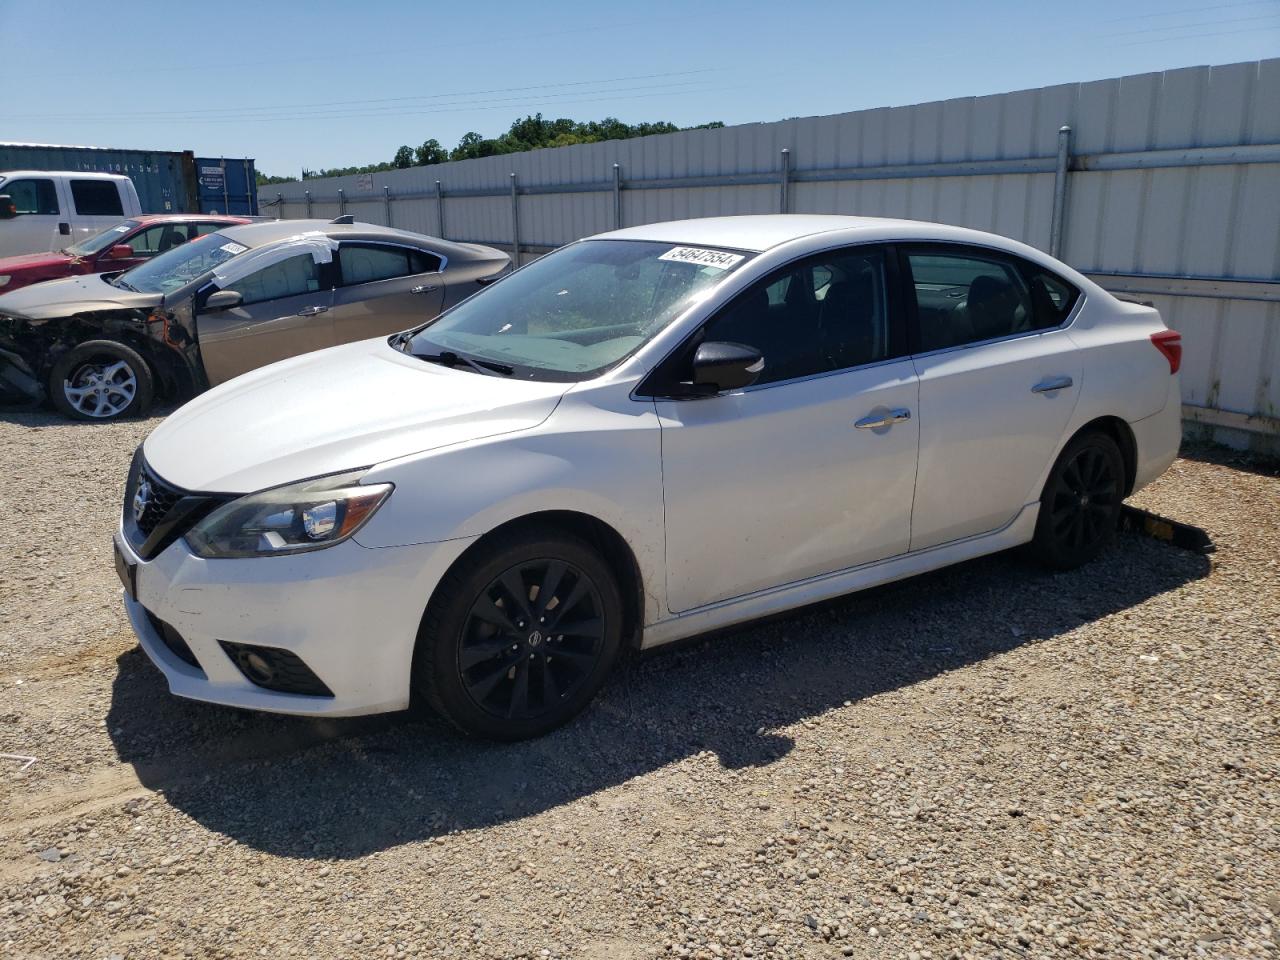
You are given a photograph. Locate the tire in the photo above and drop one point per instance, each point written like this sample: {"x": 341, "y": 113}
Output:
{"x": 1080, "y": 505}
{"x": 101, "y": 380}
{"x": 511, "y": 676}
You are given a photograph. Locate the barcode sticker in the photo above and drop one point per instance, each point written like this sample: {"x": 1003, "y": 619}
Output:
{"x": 717, "y": 259}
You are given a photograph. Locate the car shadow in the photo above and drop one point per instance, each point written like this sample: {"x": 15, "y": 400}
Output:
{"x": 345, "y": 788}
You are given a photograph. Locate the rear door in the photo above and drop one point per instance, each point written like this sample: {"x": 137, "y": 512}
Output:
{"x": 95, "y": 204}
{"x": 285, "y": 312}
{"x": 999, "y": 379}
{"x": 40, "y": 212}
{"x": 384, "y": 288}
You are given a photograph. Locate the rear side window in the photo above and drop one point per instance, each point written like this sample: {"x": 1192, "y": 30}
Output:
{"x": 32, "y": 196}
{"x": 368, "y": 263}
{"x": 201, "y": 229}
{"x": 968, "y": 295}
{"x": 96, "y": 198}
{"x": 285, "y": 278}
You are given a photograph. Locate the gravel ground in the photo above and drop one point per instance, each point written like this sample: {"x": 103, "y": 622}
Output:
{"x": 989, "y": 761}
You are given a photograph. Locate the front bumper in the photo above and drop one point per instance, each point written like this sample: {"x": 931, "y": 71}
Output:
{"x": 350, "y": 613}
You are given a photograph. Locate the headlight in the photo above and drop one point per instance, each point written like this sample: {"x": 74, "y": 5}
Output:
{"x": 296, "y": 518}
{"x": 4, "y": 278}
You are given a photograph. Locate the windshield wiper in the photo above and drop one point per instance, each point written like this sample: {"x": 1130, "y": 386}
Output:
{"x": 448, "y": 358}
{"x": 117, "y": 282}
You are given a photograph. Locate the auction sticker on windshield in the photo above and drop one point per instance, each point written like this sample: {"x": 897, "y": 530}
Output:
{"x": 716, "y": 259}
{"x": 233, "y": 248}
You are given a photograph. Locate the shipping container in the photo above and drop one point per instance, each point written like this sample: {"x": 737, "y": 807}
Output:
{"x": 227, "y": 186}
{"x": 167, "y": 181}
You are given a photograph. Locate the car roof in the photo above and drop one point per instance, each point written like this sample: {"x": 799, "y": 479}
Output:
{"x": 258, "y": 234}
{"x": 78, "y": 174}
{"x": 761, "y": 232}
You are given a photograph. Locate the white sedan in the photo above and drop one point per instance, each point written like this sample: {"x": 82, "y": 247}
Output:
{"x": 643, "y": 436}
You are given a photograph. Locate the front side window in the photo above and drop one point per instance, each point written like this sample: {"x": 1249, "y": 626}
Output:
{"x": 971, "y": 295}
{"x": 580, "y": 310}
{"x": 146, "y": 243}
{"x": 96, "y": 198}
{"x": 38, "y": 196}
{"x": 291, "y": 277}
{"x": 822, "y": 314}
{"x": 99, "y": 242}
{"x": 368, "y": 263}
{"x": 180, "y": 265}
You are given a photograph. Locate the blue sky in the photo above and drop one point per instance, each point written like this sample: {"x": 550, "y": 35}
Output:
{"x": 335, "y": 82}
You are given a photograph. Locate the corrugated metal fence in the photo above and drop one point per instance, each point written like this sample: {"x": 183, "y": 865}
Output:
{"x": 1165, "y": 185}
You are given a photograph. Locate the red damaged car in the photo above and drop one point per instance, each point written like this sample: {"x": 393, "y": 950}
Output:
{"x": 125, "y": 245}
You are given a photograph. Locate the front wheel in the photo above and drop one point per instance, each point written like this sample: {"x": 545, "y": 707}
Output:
{"x": 520, "y": 636}
{"x": 1080, "y": 505}
{"x": 101, "y": 380}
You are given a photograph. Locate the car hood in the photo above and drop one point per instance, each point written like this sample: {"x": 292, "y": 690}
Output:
{"x": 61, "y": 298}
{"x": 337, "y": 409}
{"x": 32, "y": 261}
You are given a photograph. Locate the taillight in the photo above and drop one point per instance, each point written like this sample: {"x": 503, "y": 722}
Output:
{"x": 1169, "y": 342}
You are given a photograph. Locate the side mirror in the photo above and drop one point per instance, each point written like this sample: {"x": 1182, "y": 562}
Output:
{"x": 720, "y": 366}
{"x": 222, "y": 300}
{"x": 120, "y": 251}
{"x": 8, "y": 210}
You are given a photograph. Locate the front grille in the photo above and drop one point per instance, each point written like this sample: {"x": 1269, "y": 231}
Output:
{"x": 174, "y": 641}
{"x": 274, "y": 669}
{"x": 160, "y": 513}
{"x": 161, "y": 499}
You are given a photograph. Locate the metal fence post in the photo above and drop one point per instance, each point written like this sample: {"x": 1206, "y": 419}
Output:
{"x": 342, "y": 202}
{"x": 617, "y": 196}
{"x": 1060, "y": 173}
{"x": 386, "y": 202}
{"x": 440, "y": 208}
{"x": 515, "y": 222}
{"x": 279, "y": 206}
{"x": 784, "y": 198}
{"x": 308, "y": 195}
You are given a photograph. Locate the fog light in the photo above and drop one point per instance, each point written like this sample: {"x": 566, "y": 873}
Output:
{"x": 257, "y": 667}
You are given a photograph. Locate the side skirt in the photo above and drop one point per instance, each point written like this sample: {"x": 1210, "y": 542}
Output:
{"x": 727, "y": 613}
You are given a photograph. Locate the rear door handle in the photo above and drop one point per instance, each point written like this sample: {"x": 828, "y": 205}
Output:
{"x": 64, "y": 229}
{"x": 875, "y": 421}
{"x": 1051, "y": 384}
{"x": 424, "y": 288}
{"x": 311, "y": 311}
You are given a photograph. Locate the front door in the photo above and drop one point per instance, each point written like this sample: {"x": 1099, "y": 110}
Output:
{"x": 810, "y": 470}
{"x": 384, "y": 288}
{"x": 999, "y": 379}
{"x": 285, "y": 312}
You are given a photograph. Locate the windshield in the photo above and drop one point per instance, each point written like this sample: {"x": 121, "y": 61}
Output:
{"x": 180, "y": 265}
{"x": 579, "y": 310}
{"x": 100, "y": 242}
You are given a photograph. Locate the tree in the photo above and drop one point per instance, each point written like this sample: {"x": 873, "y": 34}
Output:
{"x": 403, "y": 158}
{"x": 430, "y": 152}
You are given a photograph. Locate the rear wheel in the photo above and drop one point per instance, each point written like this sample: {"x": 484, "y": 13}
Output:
{"x": 520, "y": 637}
{"x": 1080, "y": 505}
{"x": 101, "y": 380}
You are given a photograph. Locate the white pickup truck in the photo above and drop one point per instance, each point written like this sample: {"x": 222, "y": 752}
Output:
{"x": 41, "y": 211}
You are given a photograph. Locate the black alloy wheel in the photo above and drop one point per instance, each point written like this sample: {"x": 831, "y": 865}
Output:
{"x": 533, "y": 637}
{"x": 1080, "y": 506}
{"x": 520, "y": 634}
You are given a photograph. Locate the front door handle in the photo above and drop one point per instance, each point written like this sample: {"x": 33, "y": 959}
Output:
{"x": 875, "y": 421}
{"x": 311, "y": 311}
{"x": 424, "y": 288}
{"x": 1051, "y": 384}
